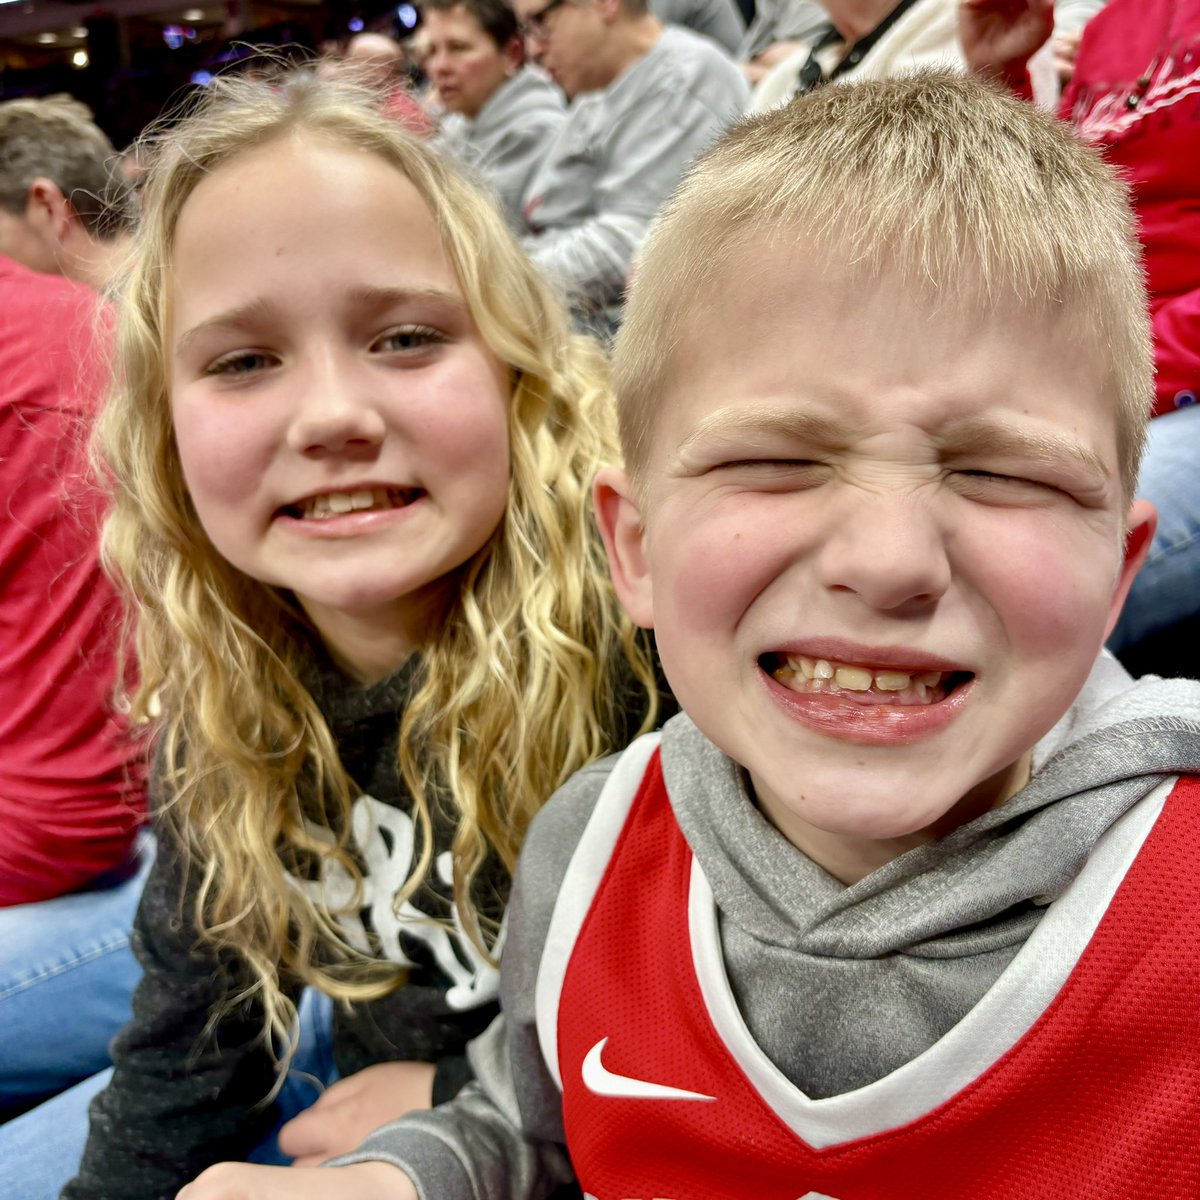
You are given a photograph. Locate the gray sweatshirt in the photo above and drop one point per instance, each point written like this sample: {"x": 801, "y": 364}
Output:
{"x": 720, "y": 20}
{"x": 782, "y": 21}
{"x": 839, "y": 986}
{"x": 505, "y": 143}
{"x": 619, "y": 155}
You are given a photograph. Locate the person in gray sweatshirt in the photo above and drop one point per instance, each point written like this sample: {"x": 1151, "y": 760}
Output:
{"x": 645, "y": 100}
{"x": 501, "y": 118}
{"x": 903, "y": 906}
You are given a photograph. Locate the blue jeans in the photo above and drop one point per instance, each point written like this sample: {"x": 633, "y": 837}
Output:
{"x": 1167, "y": 588}
{"x": 66, "y": 976}
{"x": 41, "y": 1150}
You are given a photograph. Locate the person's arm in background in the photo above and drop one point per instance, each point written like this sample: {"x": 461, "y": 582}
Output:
{"x": 1070, "y": 16}
{"x": 999, "y": 37}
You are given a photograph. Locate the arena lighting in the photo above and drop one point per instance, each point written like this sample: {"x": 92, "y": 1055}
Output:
{"x": 79, "y": 58}
{"x": 406, "y": 14}
{"x": 47, "y": 39}
{"x": 80, "y": 31}
{"x": 355, "y": 24}
{"x": 193, "y": 14}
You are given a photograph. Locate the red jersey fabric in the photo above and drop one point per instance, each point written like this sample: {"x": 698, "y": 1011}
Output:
{"x": 1097, "y": 1097}
{"x": 68, "y": 806}
{"x": 1136, "y": 92}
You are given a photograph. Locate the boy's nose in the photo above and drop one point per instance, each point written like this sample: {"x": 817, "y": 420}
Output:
{"x": 889, "y": 552}
{"x": 334, "y": 413}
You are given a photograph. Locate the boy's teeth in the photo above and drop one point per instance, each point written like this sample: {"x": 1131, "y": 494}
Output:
{"x": 822, "y": 675}
{"x": 853, "y": 679}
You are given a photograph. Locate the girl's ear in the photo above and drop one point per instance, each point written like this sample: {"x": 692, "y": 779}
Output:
{"x": 624, "y": 536}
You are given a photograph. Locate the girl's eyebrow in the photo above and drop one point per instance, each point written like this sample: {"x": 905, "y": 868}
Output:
{"x": 369, "y": 298}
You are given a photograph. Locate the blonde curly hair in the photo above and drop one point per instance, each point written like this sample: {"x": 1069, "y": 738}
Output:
{"x": 531, "y": 670}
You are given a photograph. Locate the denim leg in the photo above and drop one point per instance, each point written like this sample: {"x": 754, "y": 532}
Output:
{"x": 41, "y": 1151}
{"x": 66, "y": 977}
{"x": 311, "y": 1072}
{"x": 1167, "y": 588}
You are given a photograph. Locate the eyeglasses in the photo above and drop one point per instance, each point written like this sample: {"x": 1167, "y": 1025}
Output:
{"x": 534, "y": 25}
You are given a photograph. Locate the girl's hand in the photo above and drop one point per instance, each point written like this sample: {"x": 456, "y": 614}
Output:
{"x": 239, "y": 1181}
{"x": 1000, "y": 36}
{"x": 354, "y": 1107}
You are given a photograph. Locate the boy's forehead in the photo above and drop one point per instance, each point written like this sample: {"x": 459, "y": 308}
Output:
{"x": 784, "y": 337}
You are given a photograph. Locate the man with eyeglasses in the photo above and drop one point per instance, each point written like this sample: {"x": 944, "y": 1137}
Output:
{"x": 645, "y": 99}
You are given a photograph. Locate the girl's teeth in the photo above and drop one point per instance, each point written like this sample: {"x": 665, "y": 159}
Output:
{"x": 892, "y": 681}
{"x": 335, "y": 504}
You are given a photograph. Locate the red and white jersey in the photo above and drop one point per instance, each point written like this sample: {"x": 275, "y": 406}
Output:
{"x": 1076, "y": 1076}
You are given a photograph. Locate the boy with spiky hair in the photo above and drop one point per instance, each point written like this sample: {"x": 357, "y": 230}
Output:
{"x": 904, "y": 904}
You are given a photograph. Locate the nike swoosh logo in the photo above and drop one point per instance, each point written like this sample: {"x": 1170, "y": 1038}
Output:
{"x": 600, "y": 1081}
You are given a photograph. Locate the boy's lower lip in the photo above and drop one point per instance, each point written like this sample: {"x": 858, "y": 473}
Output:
{"x": 836, "y": 716}
{"x": 349, "y": 524}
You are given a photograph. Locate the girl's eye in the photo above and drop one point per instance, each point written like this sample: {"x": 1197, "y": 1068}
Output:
{"x": 241, "y": 362}
{"x": 406, "y": 339}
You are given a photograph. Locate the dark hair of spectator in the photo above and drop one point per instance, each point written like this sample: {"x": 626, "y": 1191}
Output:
{"x": 496, "y": 18}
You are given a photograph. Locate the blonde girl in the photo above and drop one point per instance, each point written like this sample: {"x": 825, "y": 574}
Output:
{"x": 351, "y": 451}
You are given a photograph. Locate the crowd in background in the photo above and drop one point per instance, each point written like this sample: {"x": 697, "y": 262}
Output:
{"x": 579, "y": 117}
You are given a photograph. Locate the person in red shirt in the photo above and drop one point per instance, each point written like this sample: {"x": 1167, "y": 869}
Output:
{"x": 70, "y": 797}
{"x": 1135, "y": 93}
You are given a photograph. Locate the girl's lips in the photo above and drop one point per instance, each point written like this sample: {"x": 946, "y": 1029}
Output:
{"x": 872, "y": 724}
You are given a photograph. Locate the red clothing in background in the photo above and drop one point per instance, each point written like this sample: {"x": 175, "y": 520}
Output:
{"x": 68, "y": 808}
{"x": 1136, "y": 91}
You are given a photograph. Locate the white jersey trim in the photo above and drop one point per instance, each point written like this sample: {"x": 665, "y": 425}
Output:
{"x": 1006, "y": 1013}
{"x": 581, "y": 882}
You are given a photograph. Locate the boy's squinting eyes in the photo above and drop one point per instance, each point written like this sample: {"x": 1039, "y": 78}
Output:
{"x": 883, "y": 553}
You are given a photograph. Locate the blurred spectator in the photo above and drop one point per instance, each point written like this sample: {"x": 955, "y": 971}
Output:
{"x": 69, "y": 803}
{"x": 501, "y": 117}
{"x": 61, "y": 205}
{"x": 1136, "y": 92}
{"x": 645, "y": 100}
{"x": 720, "y": 20}
{"x": 780, "y": 28}
{"x": 866, "y": 39}
{"x": 378, "y": 61}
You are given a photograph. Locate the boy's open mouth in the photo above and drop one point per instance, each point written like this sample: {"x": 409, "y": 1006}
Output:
{"x": 337, "y": 504}
{"x": 861, "y": 684}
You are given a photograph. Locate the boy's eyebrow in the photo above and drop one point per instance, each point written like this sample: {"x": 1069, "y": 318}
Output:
{"x": 975, "y": 437}
{"x": 261, "y": 310}
{"x": 740, "y": 420}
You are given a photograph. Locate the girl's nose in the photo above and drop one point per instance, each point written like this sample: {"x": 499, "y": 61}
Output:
{"x": 335, "y": 413}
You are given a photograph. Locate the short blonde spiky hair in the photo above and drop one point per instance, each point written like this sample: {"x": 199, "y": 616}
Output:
{"x": 942, "y": 178}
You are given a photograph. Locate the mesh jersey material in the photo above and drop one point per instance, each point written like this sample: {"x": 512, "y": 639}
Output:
{"x": 1099, "y": 1098}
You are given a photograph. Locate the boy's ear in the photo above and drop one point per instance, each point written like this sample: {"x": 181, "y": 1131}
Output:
{"x": 1140, "y": 525}
{"x": 620, "y": 523}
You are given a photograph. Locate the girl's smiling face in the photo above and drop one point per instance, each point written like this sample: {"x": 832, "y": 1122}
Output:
{"x": 342, "y": 426}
